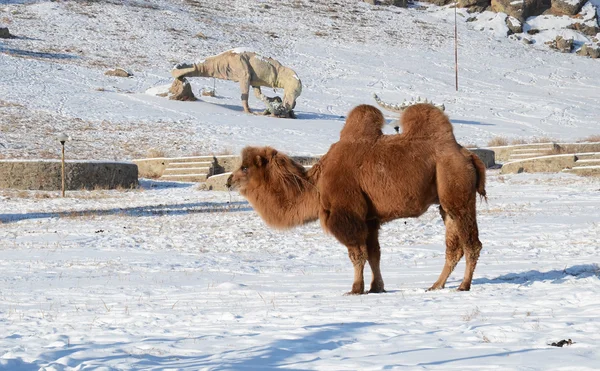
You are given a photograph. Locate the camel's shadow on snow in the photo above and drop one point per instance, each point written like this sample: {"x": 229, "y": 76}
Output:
{"x": 265, "y": 356}
{"x": 137, "y": 211}
{"x": 556, "y": 276}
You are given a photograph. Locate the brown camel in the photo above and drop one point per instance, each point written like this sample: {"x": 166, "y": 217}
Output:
{"x": 367, "y": 179}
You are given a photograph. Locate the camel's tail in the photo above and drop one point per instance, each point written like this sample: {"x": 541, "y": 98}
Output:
{"x": 480, "y": 170}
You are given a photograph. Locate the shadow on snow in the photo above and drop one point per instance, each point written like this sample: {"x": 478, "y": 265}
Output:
{"x": 556, "y": 276}
{"x": 138, "y": 211}
{"x": 262, "y": 357}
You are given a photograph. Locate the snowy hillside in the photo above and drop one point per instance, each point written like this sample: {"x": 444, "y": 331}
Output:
{"x": 344, "y": 51}
{"x": 171, "y": 277}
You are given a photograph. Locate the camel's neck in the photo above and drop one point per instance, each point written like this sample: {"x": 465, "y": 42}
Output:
{"x": 285, "y": 204}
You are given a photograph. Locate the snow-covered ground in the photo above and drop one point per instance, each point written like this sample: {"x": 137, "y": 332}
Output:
{"x": 171, "y": 277}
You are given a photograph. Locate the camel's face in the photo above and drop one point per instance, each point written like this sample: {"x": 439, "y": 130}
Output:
{"x": 252, "y": 171}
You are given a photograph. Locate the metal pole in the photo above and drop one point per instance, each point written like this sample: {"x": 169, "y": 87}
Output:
{"x": 63, "y": 168}
{"x": 455, "y": 45}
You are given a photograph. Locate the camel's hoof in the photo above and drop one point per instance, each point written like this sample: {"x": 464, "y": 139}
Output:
{"x": 461, "y": 288}
{"x": 354, "y": 293}
{"x": 434, "y": 288}
{"x": 377, "y": 287}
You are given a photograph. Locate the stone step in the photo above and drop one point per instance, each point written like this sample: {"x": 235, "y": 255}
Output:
{"x": 185, "y": 178}
{"x": 189, "y": 164}
{"x": 186, "y": 171}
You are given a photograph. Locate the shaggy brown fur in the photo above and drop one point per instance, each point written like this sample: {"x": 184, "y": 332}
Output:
{"x": 367, "y": 179}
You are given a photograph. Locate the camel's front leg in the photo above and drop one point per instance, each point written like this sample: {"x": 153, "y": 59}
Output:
{"x": 358, "y": 256}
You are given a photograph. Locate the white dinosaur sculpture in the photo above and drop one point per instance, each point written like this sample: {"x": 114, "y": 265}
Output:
{"x": 249, "y": 69}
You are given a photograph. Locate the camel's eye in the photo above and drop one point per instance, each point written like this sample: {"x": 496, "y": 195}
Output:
{"x": 244, "y": 169}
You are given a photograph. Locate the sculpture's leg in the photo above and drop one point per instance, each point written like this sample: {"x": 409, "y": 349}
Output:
{"x": 454, "y": 251}
{"x": 374, "y": 256}
{"x": 245, "y": 88}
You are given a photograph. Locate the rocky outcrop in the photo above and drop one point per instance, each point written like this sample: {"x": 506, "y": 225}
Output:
{"x": 520, "y": 9}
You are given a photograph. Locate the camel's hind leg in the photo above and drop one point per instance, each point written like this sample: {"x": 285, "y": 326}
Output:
{"x": 471, "y": 246}
{"x": 454, "y": 252}
{"x": 461, "y": 239}
{"x": 374, "y": 257}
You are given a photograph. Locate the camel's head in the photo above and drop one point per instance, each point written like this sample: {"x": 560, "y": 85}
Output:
{"x": 267, "y": 168}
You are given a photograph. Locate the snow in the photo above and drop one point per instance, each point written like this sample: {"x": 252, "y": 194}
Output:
{"x": 168, "y": 276}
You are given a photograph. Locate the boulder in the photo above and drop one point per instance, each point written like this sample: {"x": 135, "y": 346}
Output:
{"x": 181, "y": 89}
{"x": 514, "y": 25}
{"x": 566, "y": 7}
{"x": 474, "y": 5}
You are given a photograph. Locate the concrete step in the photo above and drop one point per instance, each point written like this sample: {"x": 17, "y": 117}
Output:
{"x": 186, "y": 170}
{"x": 587, "y": 156}
{"x": 193, "y": 159}
{"x": 185, "y": 178}
{"x": 520, "y": 156}
{"x": 540, "y": 149}
{"x": 189, "y": 164}
{"x": 587, "y": 162}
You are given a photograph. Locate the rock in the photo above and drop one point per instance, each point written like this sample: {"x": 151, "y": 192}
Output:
{"x": 118, "y": 72}
{"x": 566, "y": 7}
{"x": 585, "y": 29}
{"x": 514, "y": 25}
{"x": 561, "y": 44}
{"x": 592, "y": 51}
{"x": 526, "y": 41}
{"x": 4, "y": 34}
{"x": 181, "y": 90}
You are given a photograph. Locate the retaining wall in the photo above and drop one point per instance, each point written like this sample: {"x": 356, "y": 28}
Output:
{"x": 46, "y": 175}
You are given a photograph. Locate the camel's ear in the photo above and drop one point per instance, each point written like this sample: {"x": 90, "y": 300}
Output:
{"x": 271, "y": 152}
{"x": 259, "y": 161}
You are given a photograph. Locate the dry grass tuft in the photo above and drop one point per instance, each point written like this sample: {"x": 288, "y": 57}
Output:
{"x": 155, "y": 153}
{"x": 592, "y": 139}
{"x": 498, "y": 141}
